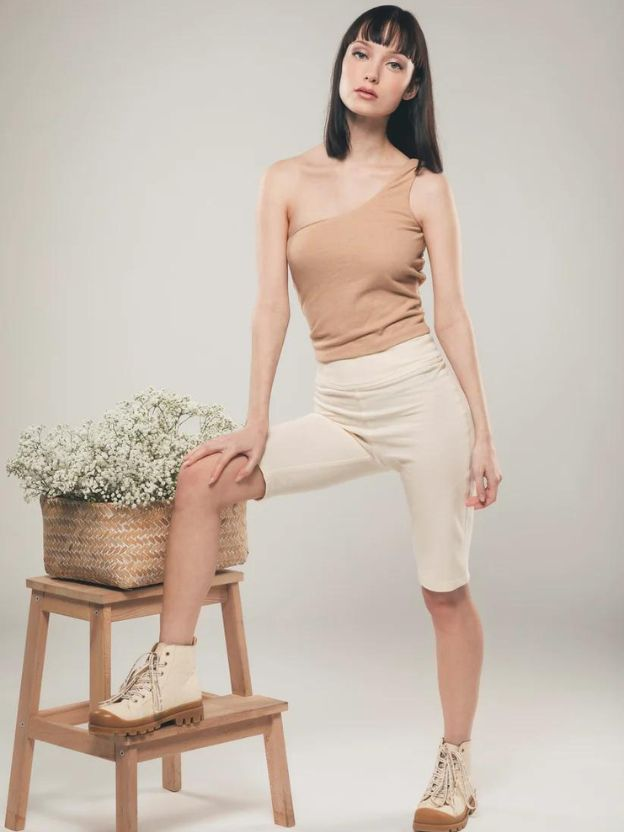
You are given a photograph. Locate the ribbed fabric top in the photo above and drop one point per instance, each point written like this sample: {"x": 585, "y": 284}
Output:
{"x": 358, "y": 273}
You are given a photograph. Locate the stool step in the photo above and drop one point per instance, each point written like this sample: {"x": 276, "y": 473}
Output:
{"x": 60, "y": 725}
{"x": 76, "y": 590}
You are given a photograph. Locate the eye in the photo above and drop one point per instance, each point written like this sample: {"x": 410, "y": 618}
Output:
{"x": 358, "y": 52}
{"x": 396, "y": 63}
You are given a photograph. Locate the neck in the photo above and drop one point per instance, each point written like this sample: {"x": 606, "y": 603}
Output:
{"x": 369, "y": 142}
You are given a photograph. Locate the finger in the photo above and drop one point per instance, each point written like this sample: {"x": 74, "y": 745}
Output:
{"x": 199, "y": 454}
{"x": 189, "y": 459}
{"x": 490, "y": 497}
{"x": 481, "y": 488}
{"x": 471, "y": 499}
{"x": 245, "y": 470}
{"x": 478, "y": 499}
{"x": 491, "y": 488}
{"x": 474, "y": 502}
{"x": 492, "y": 491}
{"x": 220, "y": 466}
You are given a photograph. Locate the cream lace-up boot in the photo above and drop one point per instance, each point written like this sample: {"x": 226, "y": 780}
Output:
{"x": 450, "y": 796}
{"x": 161, "y": 688}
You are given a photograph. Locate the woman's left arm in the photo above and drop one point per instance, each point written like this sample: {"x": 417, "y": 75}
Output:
{"x": 433, "y": 205}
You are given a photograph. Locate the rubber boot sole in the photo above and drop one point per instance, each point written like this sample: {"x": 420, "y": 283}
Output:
{"x": 444, "y": 826}
{"x": 187, "y": 715}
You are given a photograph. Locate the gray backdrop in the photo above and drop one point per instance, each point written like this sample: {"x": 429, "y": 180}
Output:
{"x": 133, "y": 138}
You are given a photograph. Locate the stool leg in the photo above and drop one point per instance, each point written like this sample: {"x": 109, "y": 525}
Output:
{"x": 279, "y": 781}
{"x": 126, "y": 789}
{"x": 99, "y": 654}
{"x": 29, "y": 699}
{"x": 235, "y": 642}
{"x": 172, "y": 772}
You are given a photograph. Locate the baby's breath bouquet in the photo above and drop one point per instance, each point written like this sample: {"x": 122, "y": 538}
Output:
{"x": 106, "y": 488}
{"x": 132, "y": 456}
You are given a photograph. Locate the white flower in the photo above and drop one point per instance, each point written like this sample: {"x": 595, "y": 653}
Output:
{"x": 132, "y": 456}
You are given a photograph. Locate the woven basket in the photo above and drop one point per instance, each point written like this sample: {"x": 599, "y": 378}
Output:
{"x": 123, "y": 546}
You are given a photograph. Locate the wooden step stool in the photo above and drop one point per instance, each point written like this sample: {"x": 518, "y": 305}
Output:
{"x": 233, "y": 716}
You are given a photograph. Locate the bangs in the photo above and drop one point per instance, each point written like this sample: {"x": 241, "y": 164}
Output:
{"x": 383, "y": 25}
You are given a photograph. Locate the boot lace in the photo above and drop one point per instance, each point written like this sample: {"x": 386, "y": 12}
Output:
{"x": 141, "y": 679}
{"x": 449, "y": 774}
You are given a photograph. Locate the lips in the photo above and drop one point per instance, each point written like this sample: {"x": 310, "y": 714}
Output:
{"x": 371, "y": 93}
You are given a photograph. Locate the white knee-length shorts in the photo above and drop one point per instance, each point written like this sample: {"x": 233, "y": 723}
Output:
{"x": 399, "y": 409}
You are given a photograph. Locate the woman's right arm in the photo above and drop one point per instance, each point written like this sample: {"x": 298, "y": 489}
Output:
{"x": 271, "y": 315}
{"x": 271, "y": 312}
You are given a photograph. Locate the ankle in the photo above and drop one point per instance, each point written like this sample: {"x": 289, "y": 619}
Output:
{"x": 179, "y": 642}
{"x": 454, "y": 741}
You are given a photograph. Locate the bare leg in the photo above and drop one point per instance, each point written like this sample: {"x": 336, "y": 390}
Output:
{"x": 192, "y": 544}
{"x": 459, "y": 650}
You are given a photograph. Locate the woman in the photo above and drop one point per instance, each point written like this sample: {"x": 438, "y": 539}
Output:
{"x": 384, "y": 398}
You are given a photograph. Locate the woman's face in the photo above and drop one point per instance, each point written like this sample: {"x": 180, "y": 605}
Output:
{"x": 377, "y": 68}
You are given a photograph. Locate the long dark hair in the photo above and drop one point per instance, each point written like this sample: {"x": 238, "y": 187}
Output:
{"x": 411, "y": 127}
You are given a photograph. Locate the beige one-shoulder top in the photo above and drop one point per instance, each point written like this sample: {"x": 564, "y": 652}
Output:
{"x": 358, "y": 273}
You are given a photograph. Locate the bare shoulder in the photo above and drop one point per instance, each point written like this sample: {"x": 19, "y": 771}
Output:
{"x": 284, "y": 179}
{"x": 275, "y": 180}
{"x": 432, "y": 184}
{"x": 430, "y": 193}
{"x": 283, "y": 176}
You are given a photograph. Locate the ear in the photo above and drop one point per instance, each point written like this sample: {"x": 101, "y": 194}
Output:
{"x": 411, "y": 94}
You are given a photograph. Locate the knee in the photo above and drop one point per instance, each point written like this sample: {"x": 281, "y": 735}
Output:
{"x": 445, "y": 606}
{"x": 192, "y": 484}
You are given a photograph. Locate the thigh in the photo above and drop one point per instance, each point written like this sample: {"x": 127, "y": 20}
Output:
{"x": 311, "y": 452}
{"x": 437, "y": 480}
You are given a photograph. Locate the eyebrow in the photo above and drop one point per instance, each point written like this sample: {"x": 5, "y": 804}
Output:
{"x": 367, "y": 43}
